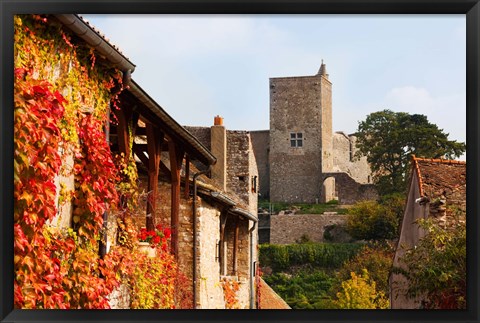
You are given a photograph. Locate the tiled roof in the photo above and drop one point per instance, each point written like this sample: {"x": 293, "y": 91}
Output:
{"x": 101, "y": 34}
{"x": 269, "y": 299}
{"x": 442, "y": 179}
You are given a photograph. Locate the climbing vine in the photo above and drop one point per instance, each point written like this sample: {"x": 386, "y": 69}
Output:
{"x": 63, "y": 95}
{"x": 230, "y": 289}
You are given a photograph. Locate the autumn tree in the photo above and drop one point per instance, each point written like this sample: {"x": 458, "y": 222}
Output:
{"x": 388, "y": 139}
{"x": 360, "y": 292}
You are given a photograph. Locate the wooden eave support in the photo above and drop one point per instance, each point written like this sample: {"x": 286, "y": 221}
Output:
{"x": 176, "y": 154}
{"x": 154, "y": 141}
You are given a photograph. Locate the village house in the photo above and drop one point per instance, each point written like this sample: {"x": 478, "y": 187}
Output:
{"x": 437, "y": 191}
{"x": 213, "y": 230}
{"x": 205, "y": 192}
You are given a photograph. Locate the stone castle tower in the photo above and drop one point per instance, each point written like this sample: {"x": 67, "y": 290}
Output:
{"x": 301, "y": 138}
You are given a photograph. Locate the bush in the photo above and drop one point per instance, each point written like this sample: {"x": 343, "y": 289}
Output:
{"x": 370, "y": 220}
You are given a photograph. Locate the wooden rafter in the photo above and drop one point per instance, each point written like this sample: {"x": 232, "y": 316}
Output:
{"x": 154, "y": 141}
{"x": 124, "y": 117}
{"x": 176, "y": 158}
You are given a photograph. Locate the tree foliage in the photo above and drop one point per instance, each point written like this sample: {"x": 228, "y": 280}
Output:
{"x": 371, "y": 220}
{"x": 436, "y": 268}
{"x": 377, "y": 259}
{"x": 360, "y": 292}
{"x": 388, "y": 139}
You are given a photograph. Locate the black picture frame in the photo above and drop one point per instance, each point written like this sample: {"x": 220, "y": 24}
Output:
{"x": 8, "y": 8}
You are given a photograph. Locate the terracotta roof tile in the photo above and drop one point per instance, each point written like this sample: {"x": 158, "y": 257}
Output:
{"x": 269, "y": 299}
{"x": 442, "y": 179}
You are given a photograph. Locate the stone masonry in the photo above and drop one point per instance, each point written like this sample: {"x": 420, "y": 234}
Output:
{"x": 286, "y": 229}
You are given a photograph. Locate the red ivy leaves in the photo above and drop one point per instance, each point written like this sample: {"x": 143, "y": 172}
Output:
{"x": 95, "y": 175}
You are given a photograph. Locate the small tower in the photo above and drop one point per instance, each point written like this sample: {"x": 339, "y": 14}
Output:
{"x": 301, "y": 138}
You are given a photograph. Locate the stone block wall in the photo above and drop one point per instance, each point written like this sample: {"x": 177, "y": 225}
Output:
{"x": 348, "y": 191}
{"x": 238, "y": 175}
{"x": 210, "y": 292}
{"x": 286, "y": 229}
{"x": 261, "y": 148}
{"x": 202, "y": 134}
{"x": 344, "y": 149}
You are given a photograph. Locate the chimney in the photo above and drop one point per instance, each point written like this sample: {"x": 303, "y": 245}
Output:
{"x": 218, "y": 140}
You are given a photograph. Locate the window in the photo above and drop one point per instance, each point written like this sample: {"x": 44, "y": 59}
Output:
{"x": 296, "y": 139}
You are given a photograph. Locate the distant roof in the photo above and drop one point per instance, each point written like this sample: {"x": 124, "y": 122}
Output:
{"x": 269, "y": 300}
{"x": 441, "y": 177}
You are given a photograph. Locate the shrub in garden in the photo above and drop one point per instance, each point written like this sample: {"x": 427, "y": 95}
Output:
{"x": 370, "y": 220}
{"x": 360, "y": 292}
{"x": 321, "y": 255}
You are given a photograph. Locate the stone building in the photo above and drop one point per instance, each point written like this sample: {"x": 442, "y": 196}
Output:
{"x": 437, "y": 191}
{"x": 236, "y": 168}
{"x": 300, "y": 158}
{"x": 213, "y": 230}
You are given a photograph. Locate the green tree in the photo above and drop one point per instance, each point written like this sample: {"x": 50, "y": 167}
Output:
{"x": 388, "y": 139}
{"x": 436, "y": 268}
{"x": 370, "y": 220}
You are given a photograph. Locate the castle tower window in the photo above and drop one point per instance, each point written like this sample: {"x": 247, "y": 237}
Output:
{"x": 296, "y": 139}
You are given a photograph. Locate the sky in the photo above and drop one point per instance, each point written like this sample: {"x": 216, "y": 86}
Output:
{"x": 200, "y": 66}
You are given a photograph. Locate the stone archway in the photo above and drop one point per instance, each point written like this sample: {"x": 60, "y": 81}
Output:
{"x": 328, "y": 189}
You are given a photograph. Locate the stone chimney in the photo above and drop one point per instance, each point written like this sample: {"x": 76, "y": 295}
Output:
{"x": 218, "y": 140}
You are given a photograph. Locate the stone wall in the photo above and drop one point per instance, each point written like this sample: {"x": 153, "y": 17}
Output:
{"x": 286, "y": 229}
{"x": 299, "y": 105}
{"x": 348, "y": 191}
{"x": 238, "y": 175}
{"x": 209, "y": 289}
{"x": 261, "y": 147}
{"x": 201, "y": 133}
{"x": 344, "y": 149}
{"x": 120, "y": 298}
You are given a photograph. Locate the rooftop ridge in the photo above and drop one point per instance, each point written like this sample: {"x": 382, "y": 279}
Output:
{"x": 439, "y": 160}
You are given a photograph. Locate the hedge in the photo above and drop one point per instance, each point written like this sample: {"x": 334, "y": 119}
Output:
{"x": 320, "y": 255}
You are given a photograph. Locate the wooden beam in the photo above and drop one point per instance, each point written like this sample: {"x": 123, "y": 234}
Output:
{"x": 154, "y": 141}
{"x": 235, "y": 247}
{"x": 124, "y": 116}
{"x": 141, "y": 154}
{"x": 176, "y": 158}
{"x": 164, "y": 147}
{"x": 165, "y": 169}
